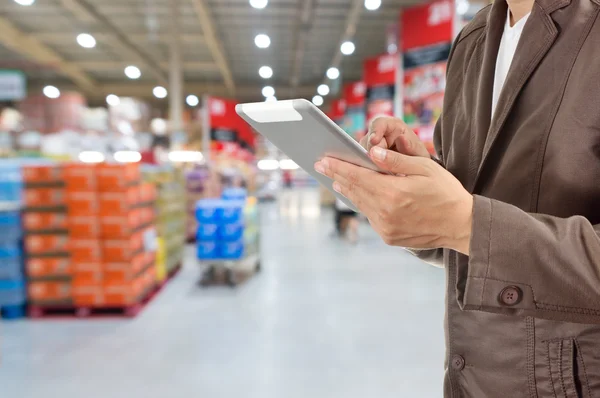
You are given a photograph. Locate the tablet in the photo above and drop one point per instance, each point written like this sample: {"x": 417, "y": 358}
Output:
{"x": 306, "y": 135}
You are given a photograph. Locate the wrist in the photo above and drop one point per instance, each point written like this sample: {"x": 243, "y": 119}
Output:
{"x": 459, "y": 238}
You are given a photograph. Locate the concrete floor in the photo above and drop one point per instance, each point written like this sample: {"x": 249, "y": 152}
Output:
{"x": 323, "y": 319}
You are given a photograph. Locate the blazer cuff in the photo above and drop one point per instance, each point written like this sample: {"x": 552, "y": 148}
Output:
{"x": 479, "y": 291}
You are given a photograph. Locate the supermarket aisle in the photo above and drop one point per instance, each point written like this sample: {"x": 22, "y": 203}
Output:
{"x": 324, "y": 319}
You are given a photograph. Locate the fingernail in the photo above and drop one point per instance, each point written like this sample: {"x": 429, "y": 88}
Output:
{"x": 337, "y": 187}
{"x": 319, "y": 168}
{"x": 379, "y": 153}
{"x": 324, "y": 163}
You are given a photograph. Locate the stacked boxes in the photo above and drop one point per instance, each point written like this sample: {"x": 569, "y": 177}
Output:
{"x": 12, "y": 286}
{"x": 170, "y": 209}
{"x": 85, "y": 231}
{"x": 227, "y": 228}
{"x": 201, "y": 183}
{"x": 46, "y": 238}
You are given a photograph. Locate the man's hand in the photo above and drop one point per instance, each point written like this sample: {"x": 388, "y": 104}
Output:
{"x": 422, "y": 207}
{"x": 393, "y": 134}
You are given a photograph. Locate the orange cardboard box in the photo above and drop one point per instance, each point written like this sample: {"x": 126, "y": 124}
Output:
{"x": 113, "y": 203}
{"x": 117, "y": 177}
{"x": 88, "y": 274}
{"x": 85, "y": 250}
{"x": 123, "y": 272}
{"x": 80, "y": 177}
{"x": 147, "y": 215}
{"x": 120, "y": 226}
{"x": 122, "y": 250}
{"x": 43, "y": 244}
{"x": 83, "y": 227}
{"x": 125, "y": 293}
{"x": 42, "y": 174}
{"x": 44, "y": 197}
{"x": 35, "y": 221}
{"x": 88, "y": 295}
{"x": 49, "y": 291}
{"x": 82, "y": 203}
{"x": 46, "y": 267}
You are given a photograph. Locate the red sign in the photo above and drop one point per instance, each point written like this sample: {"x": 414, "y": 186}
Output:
{"x": 381, "y": 70}
{"x": 224, "y": 118}
{"x": 427, "y": 24}
{"x": 354, "y": 94}
{"x": 337, "y": 111}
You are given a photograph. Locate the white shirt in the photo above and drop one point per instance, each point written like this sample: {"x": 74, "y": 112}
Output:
{"x": 506, "y": 53}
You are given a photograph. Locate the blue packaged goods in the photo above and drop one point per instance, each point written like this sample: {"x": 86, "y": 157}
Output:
{"x": 231, "y": 232}
{"x": 208, "y": 250}
{"x": 219, "y": 210}
{"x": 234, "y": 194}
{"x": 10, "y": 225}
{"x": 12, "y": 292}
{"x": 207, "y": 232}
{"x": 10, "y": 268}
{"x": 231, "y": 250}
{"x": 207, "y": 210}
{"x": 11, "y": 185}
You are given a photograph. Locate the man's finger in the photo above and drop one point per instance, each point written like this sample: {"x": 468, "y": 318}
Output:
{"x": 398, "y": 163}
{"x": 385, "y": 127}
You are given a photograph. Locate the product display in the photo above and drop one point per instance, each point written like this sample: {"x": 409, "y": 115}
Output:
{"x": 89, "y": 237}
{"x": 170, "y": 207}
{"x": 12, "y": 284}
{"x": 228, "y": 232}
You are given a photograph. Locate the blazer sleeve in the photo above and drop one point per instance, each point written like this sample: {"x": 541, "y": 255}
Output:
{"x": 531, "y": 264}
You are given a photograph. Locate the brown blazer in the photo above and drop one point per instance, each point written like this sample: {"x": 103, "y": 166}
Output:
{"x": 523, "y": 311}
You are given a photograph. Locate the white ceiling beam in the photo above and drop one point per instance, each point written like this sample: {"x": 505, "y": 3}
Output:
{"x": 114, "y": 65}
{"x": 32, "y": 48}
{"x": 103, "y": 36}
{"x": 119, "y": 39}
{"x": 306, "y": 11}
{"x": 348, "y": 33}
{"x": 214, "y": 44}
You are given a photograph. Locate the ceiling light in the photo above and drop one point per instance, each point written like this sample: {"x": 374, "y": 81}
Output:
{"x": 127, "y": 156}
{"x": 268, "y": 91}
{"x": 259, "y": 4}
{"x": 133, "y": 72}
{"x": 265, "y": 72}
{"x": 323, "y": 89}
{"x": 348, "y": 48}
{"x": 372, "y": 5}
{"x": 268, "y": 164}
{"x": 271, "y": 99}
{"x": 91, "y": 157}
{"x": 192, "y": 100}
{"x": 113, "y": 100}
{"x": 159, "y": 92}
{"x": 262, "y": 41}
{"x": 317, "y": 100}
{"x": 51, "y": 92}
{"x": 462, "y": 7}
{"x": 288, "y": 164}
{"x": 86, "y": 40}
{"x": 186, "y": 156}
{"x": 333, "y": 73}
{"x": 25, "y": 2}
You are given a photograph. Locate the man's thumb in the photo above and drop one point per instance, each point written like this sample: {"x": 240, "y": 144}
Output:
{"x": 398, "y": 163}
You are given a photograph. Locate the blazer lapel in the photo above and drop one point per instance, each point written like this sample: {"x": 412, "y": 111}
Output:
{"x": 539, "y": 34}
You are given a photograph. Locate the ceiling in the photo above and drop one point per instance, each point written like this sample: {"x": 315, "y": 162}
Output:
{"x": 216, "y": 38}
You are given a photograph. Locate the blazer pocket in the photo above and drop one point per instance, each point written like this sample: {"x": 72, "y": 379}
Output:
{"x": 565, "y": 369}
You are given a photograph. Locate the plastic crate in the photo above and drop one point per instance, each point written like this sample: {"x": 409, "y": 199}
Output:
{"x": 12, "y": 292}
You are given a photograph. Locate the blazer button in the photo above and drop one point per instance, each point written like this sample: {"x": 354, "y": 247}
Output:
{"x": 510, "y": 296}
{"x": 458, "y": 362}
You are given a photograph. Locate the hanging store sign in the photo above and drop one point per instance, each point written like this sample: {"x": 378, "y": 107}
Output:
{"x": 13, "y": 86}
